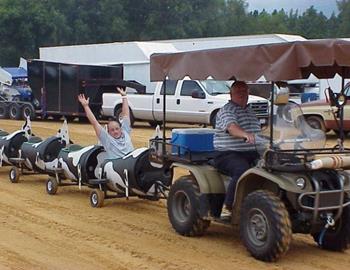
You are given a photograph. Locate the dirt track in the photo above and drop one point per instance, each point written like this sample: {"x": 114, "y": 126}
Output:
{"x": 38, "y": 231}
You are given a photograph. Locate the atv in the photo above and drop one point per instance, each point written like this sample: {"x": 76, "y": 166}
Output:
{"x": 298, "y": 185}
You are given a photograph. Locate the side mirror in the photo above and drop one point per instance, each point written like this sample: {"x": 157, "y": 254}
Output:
{"x": 342, "y": 100}
{"x": 198, "y": 94}
{"x": 338, "y": 100}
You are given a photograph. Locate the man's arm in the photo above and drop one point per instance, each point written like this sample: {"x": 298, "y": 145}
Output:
{"x": 236, "y": 131}
{"x": 125, "y": 106}
{"x": 92, "y": 119}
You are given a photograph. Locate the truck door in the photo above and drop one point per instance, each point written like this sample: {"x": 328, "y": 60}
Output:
{"x": 170, "y": 102}
{"x": 191, "y": 103}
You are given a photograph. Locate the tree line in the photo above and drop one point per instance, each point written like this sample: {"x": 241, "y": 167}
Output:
{"x": 26, "y": 25}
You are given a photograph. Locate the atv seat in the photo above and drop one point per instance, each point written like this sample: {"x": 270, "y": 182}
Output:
{"x": 211, "y": 162}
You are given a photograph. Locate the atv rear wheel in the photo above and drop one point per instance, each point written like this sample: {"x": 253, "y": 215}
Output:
{"x": 265, "y": 226}
{"x": 183, "y": 208}
{"x": 336, "y": 238}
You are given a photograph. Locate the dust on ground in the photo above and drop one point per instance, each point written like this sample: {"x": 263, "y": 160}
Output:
{"x": 38, "y": 231}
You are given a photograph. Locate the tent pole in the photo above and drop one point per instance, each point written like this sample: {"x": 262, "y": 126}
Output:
{"x": 164, "y": 109}
{"x": 271, "y": 113}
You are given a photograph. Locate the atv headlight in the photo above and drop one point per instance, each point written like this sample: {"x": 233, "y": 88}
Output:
{"x": 300, "y": 182}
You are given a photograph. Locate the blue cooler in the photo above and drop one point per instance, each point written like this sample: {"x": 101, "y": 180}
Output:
{"x": 193, "y": 140}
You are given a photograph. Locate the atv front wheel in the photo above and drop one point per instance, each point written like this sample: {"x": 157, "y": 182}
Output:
{"x": 265, "y": 226}
{"x": 336, "y": 238}
{"x": 183, "y": 208}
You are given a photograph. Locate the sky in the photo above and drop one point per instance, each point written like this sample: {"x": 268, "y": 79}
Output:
{"x": 326, "y": 6}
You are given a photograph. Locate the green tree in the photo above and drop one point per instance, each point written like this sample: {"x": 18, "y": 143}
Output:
{"x": 312, "y": 24}
{"x": 344, "y": 18}
{"x": 235, "y": 18}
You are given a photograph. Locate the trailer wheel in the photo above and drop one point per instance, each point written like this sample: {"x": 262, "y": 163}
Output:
{"x": 265, "y": 226}
{"x": 56, "y": 117}
{"x": 51, "y": 186}
{"x": 183, "y": 208}
{"x": 27, "y": 110}
{"x": 3, "y": 111}
{"x": 14, "y": 112}
{"x": 97, "y": 197}
{"x": 14, "y": 174}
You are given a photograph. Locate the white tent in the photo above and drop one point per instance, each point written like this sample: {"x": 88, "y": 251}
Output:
{"x": 135, "y": 56}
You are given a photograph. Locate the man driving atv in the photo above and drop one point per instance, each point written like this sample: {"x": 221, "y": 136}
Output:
{"x": 236, "y": 126}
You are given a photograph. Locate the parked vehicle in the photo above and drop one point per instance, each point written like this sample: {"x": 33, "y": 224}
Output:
{"x": 16, "y": 97}
{"x": 188, "y": 101}
{"x": 54, "y": 87}
{"x": 298, "y": 185}
{"x": 324, "y": 115}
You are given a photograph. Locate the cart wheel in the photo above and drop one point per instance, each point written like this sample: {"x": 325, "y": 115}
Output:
{"x": 14, "y": 175}
{"x": 51, "y": 186}
{"x": 97, "y": 198}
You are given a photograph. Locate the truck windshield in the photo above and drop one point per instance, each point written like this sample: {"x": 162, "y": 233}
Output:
{"x": 293, "y": 132}
{"x": 215, "y": 87}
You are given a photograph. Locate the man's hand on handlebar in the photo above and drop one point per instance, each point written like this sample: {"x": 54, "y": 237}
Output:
{"x": 249, "y": 138}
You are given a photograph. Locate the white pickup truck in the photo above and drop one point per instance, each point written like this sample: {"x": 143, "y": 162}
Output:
{"x": 188, "y": 101}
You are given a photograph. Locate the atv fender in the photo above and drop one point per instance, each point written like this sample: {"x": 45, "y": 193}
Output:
{"x": 209, "y": 180}
{"x": 259, "y": 178}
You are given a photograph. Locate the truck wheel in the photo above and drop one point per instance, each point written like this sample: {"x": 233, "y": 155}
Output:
{"x": 183, "y": 208}
{"x": 117, "y": 115}
{"x": 27, "y": 110}
{"x": 56, "y": 117}
{"x": 337, "y": 132}
{"x": 3, "y": 111}
{"x": 213, "y": 119}
{"x": 14, "y": 174}
{"x": 316, "y": 122}
{"x": 154, "y": 124}
{"x": 14, "y": 112}
{"x": 265, "y": 227}
{"x": 336, "y": 238}
{"x": 97, "y": 197}
{"x": 51, "y": 186}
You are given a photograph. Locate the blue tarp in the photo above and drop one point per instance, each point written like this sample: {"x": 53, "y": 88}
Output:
{"x": 16, "y": 72}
